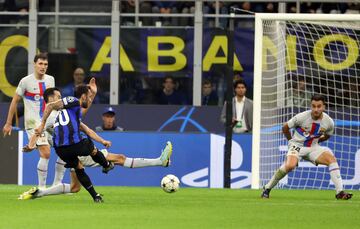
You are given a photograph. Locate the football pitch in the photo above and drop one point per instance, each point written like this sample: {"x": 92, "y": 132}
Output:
{"x": 139, "y": 207}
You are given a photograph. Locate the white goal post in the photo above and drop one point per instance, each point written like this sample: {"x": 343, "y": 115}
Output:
{"x": 297, "y": 55}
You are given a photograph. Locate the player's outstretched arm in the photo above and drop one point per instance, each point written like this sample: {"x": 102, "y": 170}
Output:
{"x": 56, "y": 105}
{"x": 93, "y": 88}
{"x": 286, "y": 131}
{"x": 12, "y": 109}
{"x": 324, "y": 137}
{"x": 94, "y": 135}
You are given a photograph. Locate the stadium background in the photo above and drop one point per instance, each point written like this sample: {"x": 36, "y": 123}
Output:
{"x": 77, "y": 36}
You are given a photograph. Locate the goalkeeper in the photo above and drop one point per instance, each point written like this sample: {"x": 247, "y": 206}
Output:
{"x": 311, "y": 128}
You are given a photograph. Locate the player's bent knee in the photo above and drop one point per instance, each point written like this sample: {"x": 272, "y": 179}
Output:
{"x": 326, "y": 158}
{"x": 94, "y": 152}
{"x": 291, "y": 163}
{"x": 332, "y": 161}
{"x": 44, "y": 152}
{"x": 121, "y": 157}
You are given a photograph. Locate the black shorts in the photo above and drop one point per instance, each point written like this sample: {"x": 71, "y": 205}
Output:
{"x": 69, "y": 154}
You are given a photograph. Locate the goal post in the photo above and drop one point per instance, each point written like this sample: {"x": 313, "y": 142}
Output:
{"x": 297, "y": 55}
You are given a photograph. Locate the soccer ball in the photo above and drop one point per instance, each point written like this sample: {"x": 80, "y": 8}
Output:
{"x": 170, "y": 183}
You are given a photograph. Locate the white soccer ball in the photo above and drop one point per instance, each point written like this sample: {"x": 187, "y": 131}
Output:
{"x": 170, "y": 183}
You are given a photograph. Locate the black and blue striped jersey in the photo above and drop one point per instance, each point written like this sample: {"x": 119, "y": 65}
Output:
{"x": 67, "y": 124}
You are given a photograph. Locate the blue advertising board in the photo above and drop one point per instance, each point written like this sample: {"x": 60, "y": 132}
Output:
{"x": 197, "y": 160}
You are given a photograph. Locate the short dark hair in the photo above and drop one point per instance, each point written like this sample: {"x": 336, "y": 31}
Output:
{"x": 80, "y": 90}
{"x": 239, "y": 82}
{"x": 49, "y": 92}
{"x": 318, "y": 97}
{"x": 169, "y": 77}
{"x": 206, "y": 82}
{"x": 42, "y": 55}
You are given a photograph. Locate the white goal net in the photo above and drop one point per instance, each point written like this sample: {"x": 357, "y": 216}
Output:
{"x": 297, "y": 56}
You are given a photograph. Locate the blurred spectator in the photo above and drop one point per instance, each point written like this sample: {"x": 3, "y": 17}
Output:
{"x": 270, "y": 8}
{"x": 187, "y": 8}
{"x": 15, "y": 5}
{"x": 127, "y": 90}
{"x": 309, "y": 7}
{"x": 167, "y": 7}
{"x": 332, "y": 8}
{"x": 135, "y": 90}
{"x": 249, "y": 90}
{"x": 144, "y": 91}
{"x": 210, "y": 8}
{"x": 246, "y": 8}
{"x": 291, "y": 8}
{"x": 146, "y": 7}
{"x": 353, "y": 8}
{"x": 169, "y": 95}
{"x": 129, "y": 7}
{"x": 103, "y": 93}
{"x": 108, "y": 118}
{"x": 242, "y": 118}
{"x": 209, "y": 96}
{"x": 300, "y": 96}
{"x": 79, "y": 77}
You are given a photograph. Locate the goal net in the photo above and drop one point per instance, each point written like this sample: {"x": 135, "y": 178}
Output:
{"x": 297, "y": 56}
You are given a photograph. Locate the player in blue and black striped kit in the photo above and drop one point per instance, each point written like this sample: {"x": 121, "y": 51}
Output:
{"x": 68, "y": 141}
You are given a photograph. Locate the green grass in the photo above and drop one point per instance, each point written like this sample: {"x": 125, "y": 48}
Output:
{"x": 130, "y": 207}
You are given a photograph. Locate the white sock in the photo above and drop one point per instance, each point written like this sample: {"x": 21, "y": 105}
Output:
{"x": 54, "y": 190}
{"x": 59, "y": 171}
{"x": 42, "y": 168}
{"x": 336, "y": 177}
{"x": 279, "y": 174}
{"x": 141, "y": 162}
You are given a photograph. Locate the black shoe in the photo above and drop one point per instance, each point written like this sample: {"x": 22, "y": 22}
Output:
{"x": 265, "y": 193}
{"x": 98, "y": 199}
{"x": 343, "y": 195}
{"x": 110, "y": 167}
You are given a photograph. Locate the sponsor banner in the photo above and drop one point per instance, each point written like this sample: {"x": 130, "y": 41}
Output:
{"x": 326, "y": 47}
{"x": 197, "y": 160}
{"x": 157, "y": 52}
